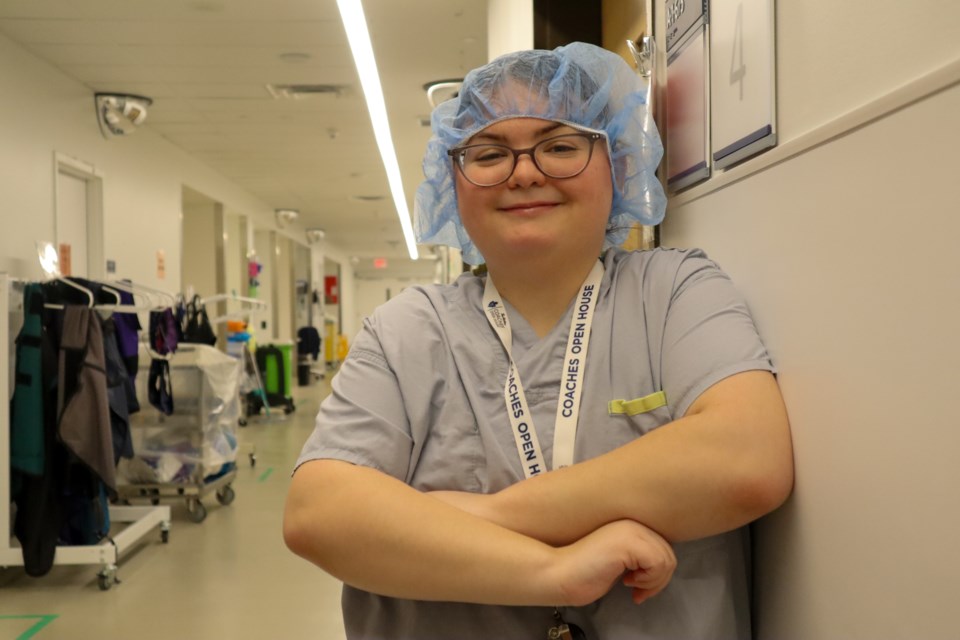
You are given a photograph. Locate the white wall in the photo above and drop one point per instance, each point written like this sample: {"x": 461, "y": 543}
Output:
{"x": 347, "y": 291}
{"x": 266, "y": 322}
{"x": 43, "y": 112}
{"x": 198, "y": 255}
{"x": 235, "y": 254}
{"x": 283, "y": 263}
{"x": 370, "y": 294}
{"x": 509, "y": 26}
{"x": 845, "y": 249}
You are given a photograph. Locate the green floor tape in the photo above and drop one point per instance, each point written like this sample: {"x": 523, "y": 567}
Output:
{"x": 42, "y": 621}
{"x": 266, "y": 474}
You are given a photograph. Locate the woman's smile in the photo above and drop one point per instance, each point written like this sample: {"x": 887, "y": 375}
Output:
{"x": 530, "y": 208}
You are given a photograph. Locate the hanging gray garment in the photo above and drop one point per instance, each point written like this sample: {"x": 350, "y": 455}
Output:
{"x": 82, "y": 405}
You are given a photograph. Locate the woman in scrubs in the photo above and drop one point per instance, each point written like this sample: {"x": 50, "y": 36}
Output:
{"x": 571, "y": 444}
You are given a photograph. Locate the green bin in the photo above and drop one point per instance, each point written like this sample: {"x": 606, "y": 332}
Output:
{"x": 272, "y": 375}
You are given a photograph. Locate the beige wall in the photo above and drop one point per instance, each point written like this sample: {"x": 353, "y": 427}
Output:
{"x": 843, "y": 241}
{"x": 199, "y": 258}
{"x": 43, "y": 112}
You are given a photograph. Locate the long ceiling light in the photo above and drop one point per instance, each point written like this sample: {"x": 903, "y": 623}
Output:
{"x": 351, "y": 12}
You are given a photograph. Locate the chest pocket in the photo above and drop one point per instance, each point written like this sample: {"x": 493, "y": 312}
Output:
{"x": 640, "y": 415}
{"x": 637, "y": 406}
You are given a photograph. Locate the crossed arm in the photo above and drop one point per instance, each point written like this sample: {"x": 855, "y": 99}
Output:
{"x": 562, "y": 538}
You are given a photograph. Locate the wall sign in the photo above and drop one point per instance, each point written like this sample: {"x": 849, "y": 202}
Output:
{"x": 742, "y": 79}
{"x": 720, "y": 103}
{"x": 66, "y": 259}
{"x": 688, "y": 93}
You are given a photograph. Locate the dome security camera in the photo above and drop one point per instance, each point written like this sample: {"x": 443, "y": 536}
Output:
{"x": 120, "y": 114}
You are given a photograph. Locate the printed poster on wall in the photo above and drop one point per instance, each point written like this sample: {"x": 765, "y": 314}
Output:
{"x": 66, "y": 266}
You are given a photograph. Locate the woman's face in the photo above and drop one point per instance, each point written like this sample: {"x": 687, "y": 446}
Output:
{"x": 532, "y": 215}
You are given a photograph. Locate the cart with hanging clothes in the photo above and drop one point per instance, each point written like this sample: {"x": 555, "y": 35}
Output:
{"x": 187, "y": 449}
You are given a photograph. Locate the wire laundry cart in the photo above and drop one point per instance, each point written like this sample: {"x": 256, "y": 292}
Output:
{"x": 191, "y": 452}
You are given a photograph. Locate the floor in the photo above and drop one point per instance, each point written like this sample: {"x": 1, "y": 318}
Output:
{"x": 229, "y": 576}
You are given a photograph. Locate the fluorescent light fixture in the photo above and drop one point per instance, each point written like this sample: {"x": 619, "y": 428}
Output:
{"x": 351, "y": 12}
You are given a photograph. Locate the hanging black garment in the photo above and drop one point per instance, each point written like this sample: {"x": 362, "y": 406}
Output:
{"x": 37, "y": 497}
{"x": 159, "y": 387}
{"x": 164, "y": 334}
{"x": 308, "y": 342}
{"x": 198, "y": 328}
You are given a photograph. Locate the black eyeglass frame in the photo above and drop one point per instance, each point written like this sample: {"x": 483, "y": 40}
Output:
{"x": 458, "y": 154}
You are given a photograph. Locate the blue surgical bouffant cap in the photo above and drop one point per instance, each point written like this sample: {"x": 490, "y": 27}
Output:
{"x": 580, "y": 85}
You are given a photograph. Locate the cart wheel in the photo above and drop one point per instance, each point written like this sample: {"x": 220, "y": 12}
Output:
{"x": 253, "y": 459}
{"x": 106, "y": 579}
{"x": 196, "y": 511}
{"x": 226, "y": 495}
{"x": 242, "y": 422}
{"x": 288, "y": 407}
{"x": 154, "y": 501}
{"x": 165, "y": 536}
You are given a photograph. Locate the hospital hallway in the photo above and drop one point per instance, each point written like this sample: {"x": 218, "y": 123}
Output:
{"x": 230, "y": 576}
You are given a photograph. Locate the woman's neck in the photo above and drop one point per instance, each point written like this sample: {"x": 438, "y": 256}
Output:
{"x": 540, "y": 292}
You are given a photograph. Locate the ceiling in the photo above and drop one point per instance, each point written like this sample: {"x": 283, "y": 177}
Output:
{"x": 207, "y": 65}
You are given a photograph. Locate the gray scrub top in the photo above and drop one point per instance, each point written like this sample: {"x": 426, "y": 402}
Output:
{"x": 420, "y": 397}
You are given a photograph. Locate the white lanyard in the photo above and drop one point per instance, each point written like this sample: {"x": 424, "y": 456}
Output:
{"x": 568, "y": 402}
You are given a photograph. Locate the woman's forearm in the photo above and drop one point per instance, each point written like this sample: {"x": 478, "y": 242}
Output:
{"x": 377, "y": 534}
{"x": 725, "y": 464}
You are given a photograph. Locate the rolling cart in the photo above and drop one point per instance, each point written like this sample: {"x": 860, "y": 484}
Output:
{"x": 191, "y": 452}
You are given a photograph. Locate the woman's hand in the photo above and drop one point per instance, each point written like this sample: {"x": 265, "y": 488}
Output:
{"x": 625, "y": 550}
{"x": 589, "y": 567}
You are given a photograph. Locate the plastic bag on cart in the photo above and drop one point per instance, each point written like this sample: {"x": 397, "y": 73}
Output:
{"x": 200, "y": 437}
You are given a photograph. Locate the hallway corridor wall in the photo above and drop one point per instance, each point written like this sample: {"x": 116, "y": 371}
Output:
{"x": 43, "y": 112}
{"x": 843, "y": 240}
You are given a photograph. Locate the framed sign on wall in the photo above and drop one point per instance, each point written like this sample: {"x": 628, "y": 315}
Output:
{"x": 742, "y": 79}
{"x": 687, "y": 93}
{"x": 720, "y": 87}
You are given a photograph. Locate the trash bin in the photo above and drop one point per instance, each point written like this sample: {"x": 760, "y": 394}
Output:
{"x": 303, "y": 373}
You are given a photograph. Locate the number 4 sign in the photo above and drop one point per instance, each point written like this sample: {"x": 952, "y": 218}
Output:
{"x": 742, "y": 79}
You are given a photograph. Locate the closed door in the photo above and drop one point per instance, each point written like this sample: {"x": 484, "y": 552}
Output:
{"x": 72, "y": 224}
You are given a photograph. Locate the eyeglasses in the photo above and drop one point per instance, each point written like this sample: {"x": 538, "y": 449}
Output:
{"x": 487, "y": 165}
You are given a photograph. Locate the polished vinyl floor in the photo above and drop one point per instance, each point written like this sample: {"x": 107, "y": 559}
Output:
{"x": 229, "y": 576}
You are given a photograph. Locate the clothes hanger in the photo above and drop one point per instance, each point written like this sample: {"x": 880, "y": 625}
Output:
{"x": 167, "y": 298}
{"x": 76, "y": 286}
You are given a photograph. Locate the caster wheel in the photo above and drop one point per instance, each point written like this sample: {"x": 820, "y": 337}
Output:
{"x": 107, "y": 578}
{"x": 242, "y": 422}
{"x": 196, "y": 511}
{"x": 165, "y": 537}
{"x": 253, "y": 460}
{"x": 226, "y": 495}
{"x": 154, "y": 501}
